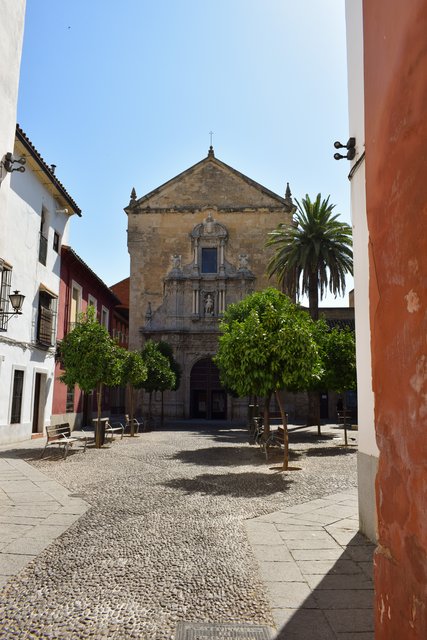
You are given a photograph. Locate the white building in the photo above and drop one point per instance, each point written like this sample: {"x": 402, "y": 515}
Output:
{"x": 34, "y": 224}
{"x": 367, "y": 461}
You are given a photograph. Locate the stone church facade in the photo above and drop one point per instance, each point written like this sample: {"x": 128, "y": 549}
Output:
{"x": 196, "y": 245}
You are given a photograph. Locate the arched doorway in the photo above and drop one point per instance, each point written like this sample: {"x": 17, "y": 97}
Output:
{"x": 208, "y": 400}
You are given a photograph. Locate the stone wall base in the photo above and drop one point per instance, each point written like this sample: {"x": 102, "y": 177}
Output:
{"x": 366, "y": 471}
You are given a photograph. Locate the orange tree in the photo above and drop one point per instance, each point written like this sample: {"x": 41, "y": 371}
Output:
{"x": 133, "y": 375}
{"x": 160, "y": 375}
{"x": 266, "y": 345}
{"x": 91, "y": 359}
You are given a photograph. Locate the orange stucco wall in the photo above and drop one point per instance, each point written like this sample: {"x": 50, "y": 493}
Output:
{"x": 395, "y": 50}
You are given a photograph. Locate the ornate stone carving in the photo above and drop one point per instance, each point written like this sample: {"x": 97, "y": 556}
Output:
{"x": 209, "y": 304}
{"x": 243, "y": 261}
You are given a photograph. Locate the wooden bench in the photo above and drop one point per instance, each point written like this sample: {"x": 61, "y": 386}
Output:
{"x": 60, "y": 435}
{"x": 113, "y": 428}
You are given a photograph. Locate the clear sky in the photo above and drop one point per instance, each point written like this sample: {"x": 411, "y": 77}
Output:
{"x": 122, "y": 95}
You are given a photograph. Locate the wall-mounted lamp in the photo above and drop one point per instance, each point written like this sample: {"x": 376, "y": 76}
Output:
{"x": 9, "y": 161}
{"x": 16, "y": 300}
{"x": 351, "y": 149}
{"x": 61, "y": 211}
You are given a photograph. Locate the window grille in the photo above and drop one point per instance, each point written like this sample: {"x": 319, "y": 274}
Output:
{"x": 69, "y": 407}
{"x": 6, "y": 277}
{"x": 43, "y": 249}
{"x": 46, "y": 324}
{"x": 56, "y": 242}
{"x": 18, "y": 386}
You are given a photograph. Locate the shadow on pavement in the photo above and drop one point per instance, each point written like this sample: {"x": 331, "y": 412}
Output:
{"x": 341, "y": 599}
{"x": 331, "y": 451}
{"x": 248, "y": 484}
{"x": 52, "y": 454}
{"x": 297, "y": 435}
{"x": 221, "y": 456}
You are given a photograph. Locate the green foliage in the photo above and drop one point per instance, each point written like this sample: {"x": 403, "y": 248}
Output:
{"x": 89, "y": 355}
{"x": 266, "y": 344}
{"x": 312, "y": 254}
{"x": 160, "y": 376}
{"x": 339, "y": 360}
{"x": 134, "y": 370}
{"x": 166, "y": 349}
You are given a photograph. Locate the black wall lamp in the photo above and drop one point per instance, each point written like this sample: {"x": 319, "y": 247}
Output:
{"x": 351, "y": 149}
{"x": 9, "y": 161}
{"x": 16, "y": 300}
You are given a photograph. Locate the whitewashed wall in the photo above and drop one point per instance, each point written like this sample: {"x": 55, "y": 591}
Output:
{"x": 368, "y": 451}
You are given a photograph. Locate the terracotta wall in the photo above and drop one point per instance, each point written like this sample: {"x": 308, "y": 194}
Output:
{"x": 395, "y": 46}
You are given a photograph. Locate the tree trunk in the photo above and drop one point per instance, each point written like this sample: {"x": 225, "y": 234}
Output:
{"x": 150, "y": 395}
{"x": 313, "y": 309}
{"x": 162, "y": 412}
{"x": 285, "y": 433}
{"x": 267, "y": 400}
{"x": 98, "y": 403}
{"x": 131, "y": 409}
{"x": 313, "y": 296}
{"x": 314, "y": 410}
{"x": 345, "y": 418}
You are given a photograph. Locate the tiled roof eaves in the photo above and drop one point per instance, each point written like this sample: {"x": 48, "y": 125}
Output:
{"x": 78, "y": 259}
{"x": 23, "y": 138}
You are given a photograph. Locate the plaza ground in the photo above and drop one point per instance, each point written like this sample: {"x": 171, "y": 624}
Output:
{"x": 183, "y": 525}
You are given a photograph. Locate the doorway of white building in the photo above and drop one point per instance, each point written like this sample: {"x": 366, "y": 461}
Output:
{"x": 39, "y": 402}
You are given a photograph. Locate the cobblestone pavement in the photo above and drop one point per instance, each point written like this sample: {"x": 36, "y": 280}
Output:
{"x": 164, "y": 539}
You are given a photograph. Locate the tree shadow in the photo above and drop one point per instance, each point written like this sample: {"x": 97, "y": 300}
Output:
{"x": 247, "y": 485}
{"x": 331, "y": 451}
{"x": 221, "y": 456}
{"x": 296, "y": 435}
{"x": 52, "y": 454}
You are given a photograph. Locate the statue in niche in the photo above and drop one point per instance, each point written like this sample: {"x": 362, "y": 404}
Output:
{"x": 176, "y": 262}
{"x": 209, "y": 305}
{"x": 243, "y": 261}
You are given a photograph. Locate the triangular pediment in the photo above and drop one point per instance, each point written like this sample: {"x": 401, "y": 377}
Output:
{"x": 210, "y": 183}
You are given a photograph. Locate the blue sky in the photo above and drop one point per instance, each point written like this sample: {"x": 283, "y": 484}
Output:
{"x": 122, "y": 95}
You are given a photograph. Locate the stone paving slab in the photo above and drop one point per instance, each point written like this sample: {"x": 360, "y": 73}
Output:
{"x": 318, "y": 578}
{"x": 173, "y": 508}
{"x": 34, "y": 511}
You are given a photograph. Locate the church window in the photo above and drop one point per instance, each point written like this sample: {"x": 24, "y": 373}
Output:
{"x": 209, "y": 260}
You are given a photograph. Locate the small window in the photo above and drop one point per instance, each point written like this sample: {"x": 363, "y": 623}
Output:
{"x": 75, "y": 305}
{"x": 209, "y": 260}
{"x": 104, "y": 317}
{"x": 43, "y": 238}
{"x": 46, "y": 323}
{"x": 18, "y": 387}
{"x": 69, "y": 407}
{"x": 92, "y": 302}
{"x": 5, "y": 281}
{"x": 56, "y": 242}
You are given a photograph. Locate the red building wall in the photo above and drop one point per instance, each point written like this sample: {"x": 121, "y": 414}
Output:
{"x": 395, "y": 50}
{"x": 74, "y": 269}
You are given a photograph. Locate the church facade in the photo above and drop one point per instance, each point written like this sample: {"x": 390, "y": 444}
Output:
{"x": 196, "y": 245}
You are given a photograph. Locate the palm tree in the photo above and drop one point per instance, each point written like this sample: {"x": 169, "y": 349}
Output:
{"x": 313, "y": 254}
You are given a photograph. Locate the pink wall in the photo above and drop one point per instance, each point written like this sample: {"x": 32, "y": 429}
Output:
{"x": 395, "y": 42}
